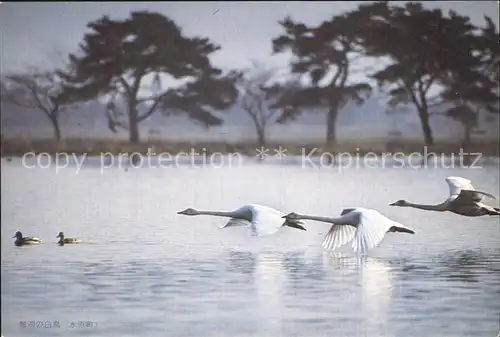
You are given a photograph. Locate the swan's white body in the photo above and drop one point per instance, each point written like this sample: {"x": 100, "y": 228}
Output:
{"x": 364, "y": 227}
{"x": 261, "y": 220}
{"x": 264, "y": 220}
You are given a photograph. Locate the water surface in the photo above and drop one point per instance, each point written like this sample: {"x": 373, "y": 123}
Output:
{"x": 143, "y": 270}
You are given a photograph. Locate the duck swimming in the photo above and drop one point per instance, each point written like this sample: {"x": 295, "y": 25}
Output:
{"x": 28, "y": 240}
{"x": 64, "y": 240}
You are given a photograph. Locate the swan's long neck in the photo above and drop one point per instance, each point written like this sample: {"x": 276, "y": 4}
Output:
{"x": 438, "y": 208}
{"x": 217, "y": 213}
{"x": 321, "y": 219}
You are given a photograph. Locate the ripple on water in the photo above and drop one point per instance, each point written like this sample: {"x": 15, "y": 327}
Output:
{"x": 144, "y": 271}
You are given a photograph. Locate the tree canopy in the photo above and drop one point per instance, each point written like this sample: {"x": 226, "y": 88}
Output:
{"x": 477, "y": 81}
{"x": 118, "y": 56}
{"x": 432, "y": 57}
{"x": 426, "y": 49}
{"x": 324, "y": 54}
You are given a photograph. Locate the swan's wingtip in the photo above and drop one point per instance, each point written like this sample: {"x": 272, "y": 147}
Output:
{"x": 451, "y": 178}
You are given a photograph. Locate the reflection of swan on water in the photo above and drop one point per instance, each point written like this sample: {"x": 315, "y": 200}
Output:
{"x": 340, "y": 260}
{"x": 374, "y": 273}
{"x": 373, "y": 296}
{"x": 377, "y": 286}
{"x": 265, "y": 271}
{"x": 270, "y": 280}
{"x": 241, "y": 262}
{"x": 469, "y": 265}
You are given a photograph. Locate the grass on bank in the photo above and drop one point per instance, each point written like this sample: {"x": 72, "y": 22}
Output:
{"x": 96, "y": 147}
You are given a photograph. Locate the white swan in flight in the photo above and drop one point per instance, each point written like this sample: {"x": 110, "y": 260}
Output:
{"x": 261, "y": 220}
{"x": 463, "y": 200}
{"x": 364, "y": 227}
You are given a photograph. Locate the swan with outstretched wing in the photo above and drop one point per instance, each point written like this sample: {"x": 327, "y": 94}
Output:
{"x": 464, "y": 200}
{"x": 364, "y": 227}
{"x": 261, "y": 220}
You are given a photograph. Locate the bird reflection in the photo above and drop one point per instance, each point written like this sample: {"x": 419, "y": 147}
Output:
{"x": 294, "y": 290}
{"x": 469, "y": 265}
{"x": 270, "y": 284}
{"x": 265, "y": 273}
{"x": 241, "y": 262}
{"x": 377, "y": 287}
{"x": 372, "y": 298}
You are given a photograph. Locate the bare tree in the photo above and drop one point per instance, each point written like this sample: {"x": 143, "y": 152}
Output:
{"x": 36, "y": 89}
{"x": 254, "y": 100}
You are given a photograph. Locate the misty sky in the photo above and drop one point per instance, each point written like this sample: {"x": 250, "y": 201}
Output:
{"x": 31, "y": 32}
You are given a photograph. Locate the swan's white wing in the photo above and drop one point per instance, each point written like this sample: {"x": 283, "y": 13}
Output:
{"x": 343, "y": 231}
{"x": 371, "y": 230}
{"x": 265, "y": 220}
{"x": 236, "y": 223}
{"x": 456, "y": 184}
{"x": 463, "y": 187}
{"x": 337, "y": 236}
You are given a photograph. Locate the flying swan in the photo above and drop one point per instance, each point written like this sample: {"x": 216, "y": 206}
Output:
{"x": 261, "y": 220}
{"x": 364, "y": 227}
{"x": 463, "y": 200}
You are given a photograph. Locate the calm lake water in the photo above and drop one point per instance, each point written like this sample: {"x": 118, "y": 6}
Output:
{"x": 143, "y": 270}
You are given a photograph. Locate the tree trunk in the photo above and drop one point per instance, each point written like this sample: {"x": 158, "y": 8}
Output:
{"x": 331, "y": 140}
{"x": 423, "y": 113}
{"x": 133, "y": 124}
{"x": 261, "y": 137}
{"x": 57, "y": 128}
{"x": 466, "y": 142}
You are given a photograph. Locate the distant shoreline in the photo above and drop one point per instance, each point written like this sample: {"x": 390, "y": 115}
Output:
{"x": 91, "y": 147}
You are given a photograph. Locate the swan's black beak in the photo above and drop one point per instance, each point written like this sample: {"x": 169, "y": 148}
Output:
{"x": 393, "y": 204}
